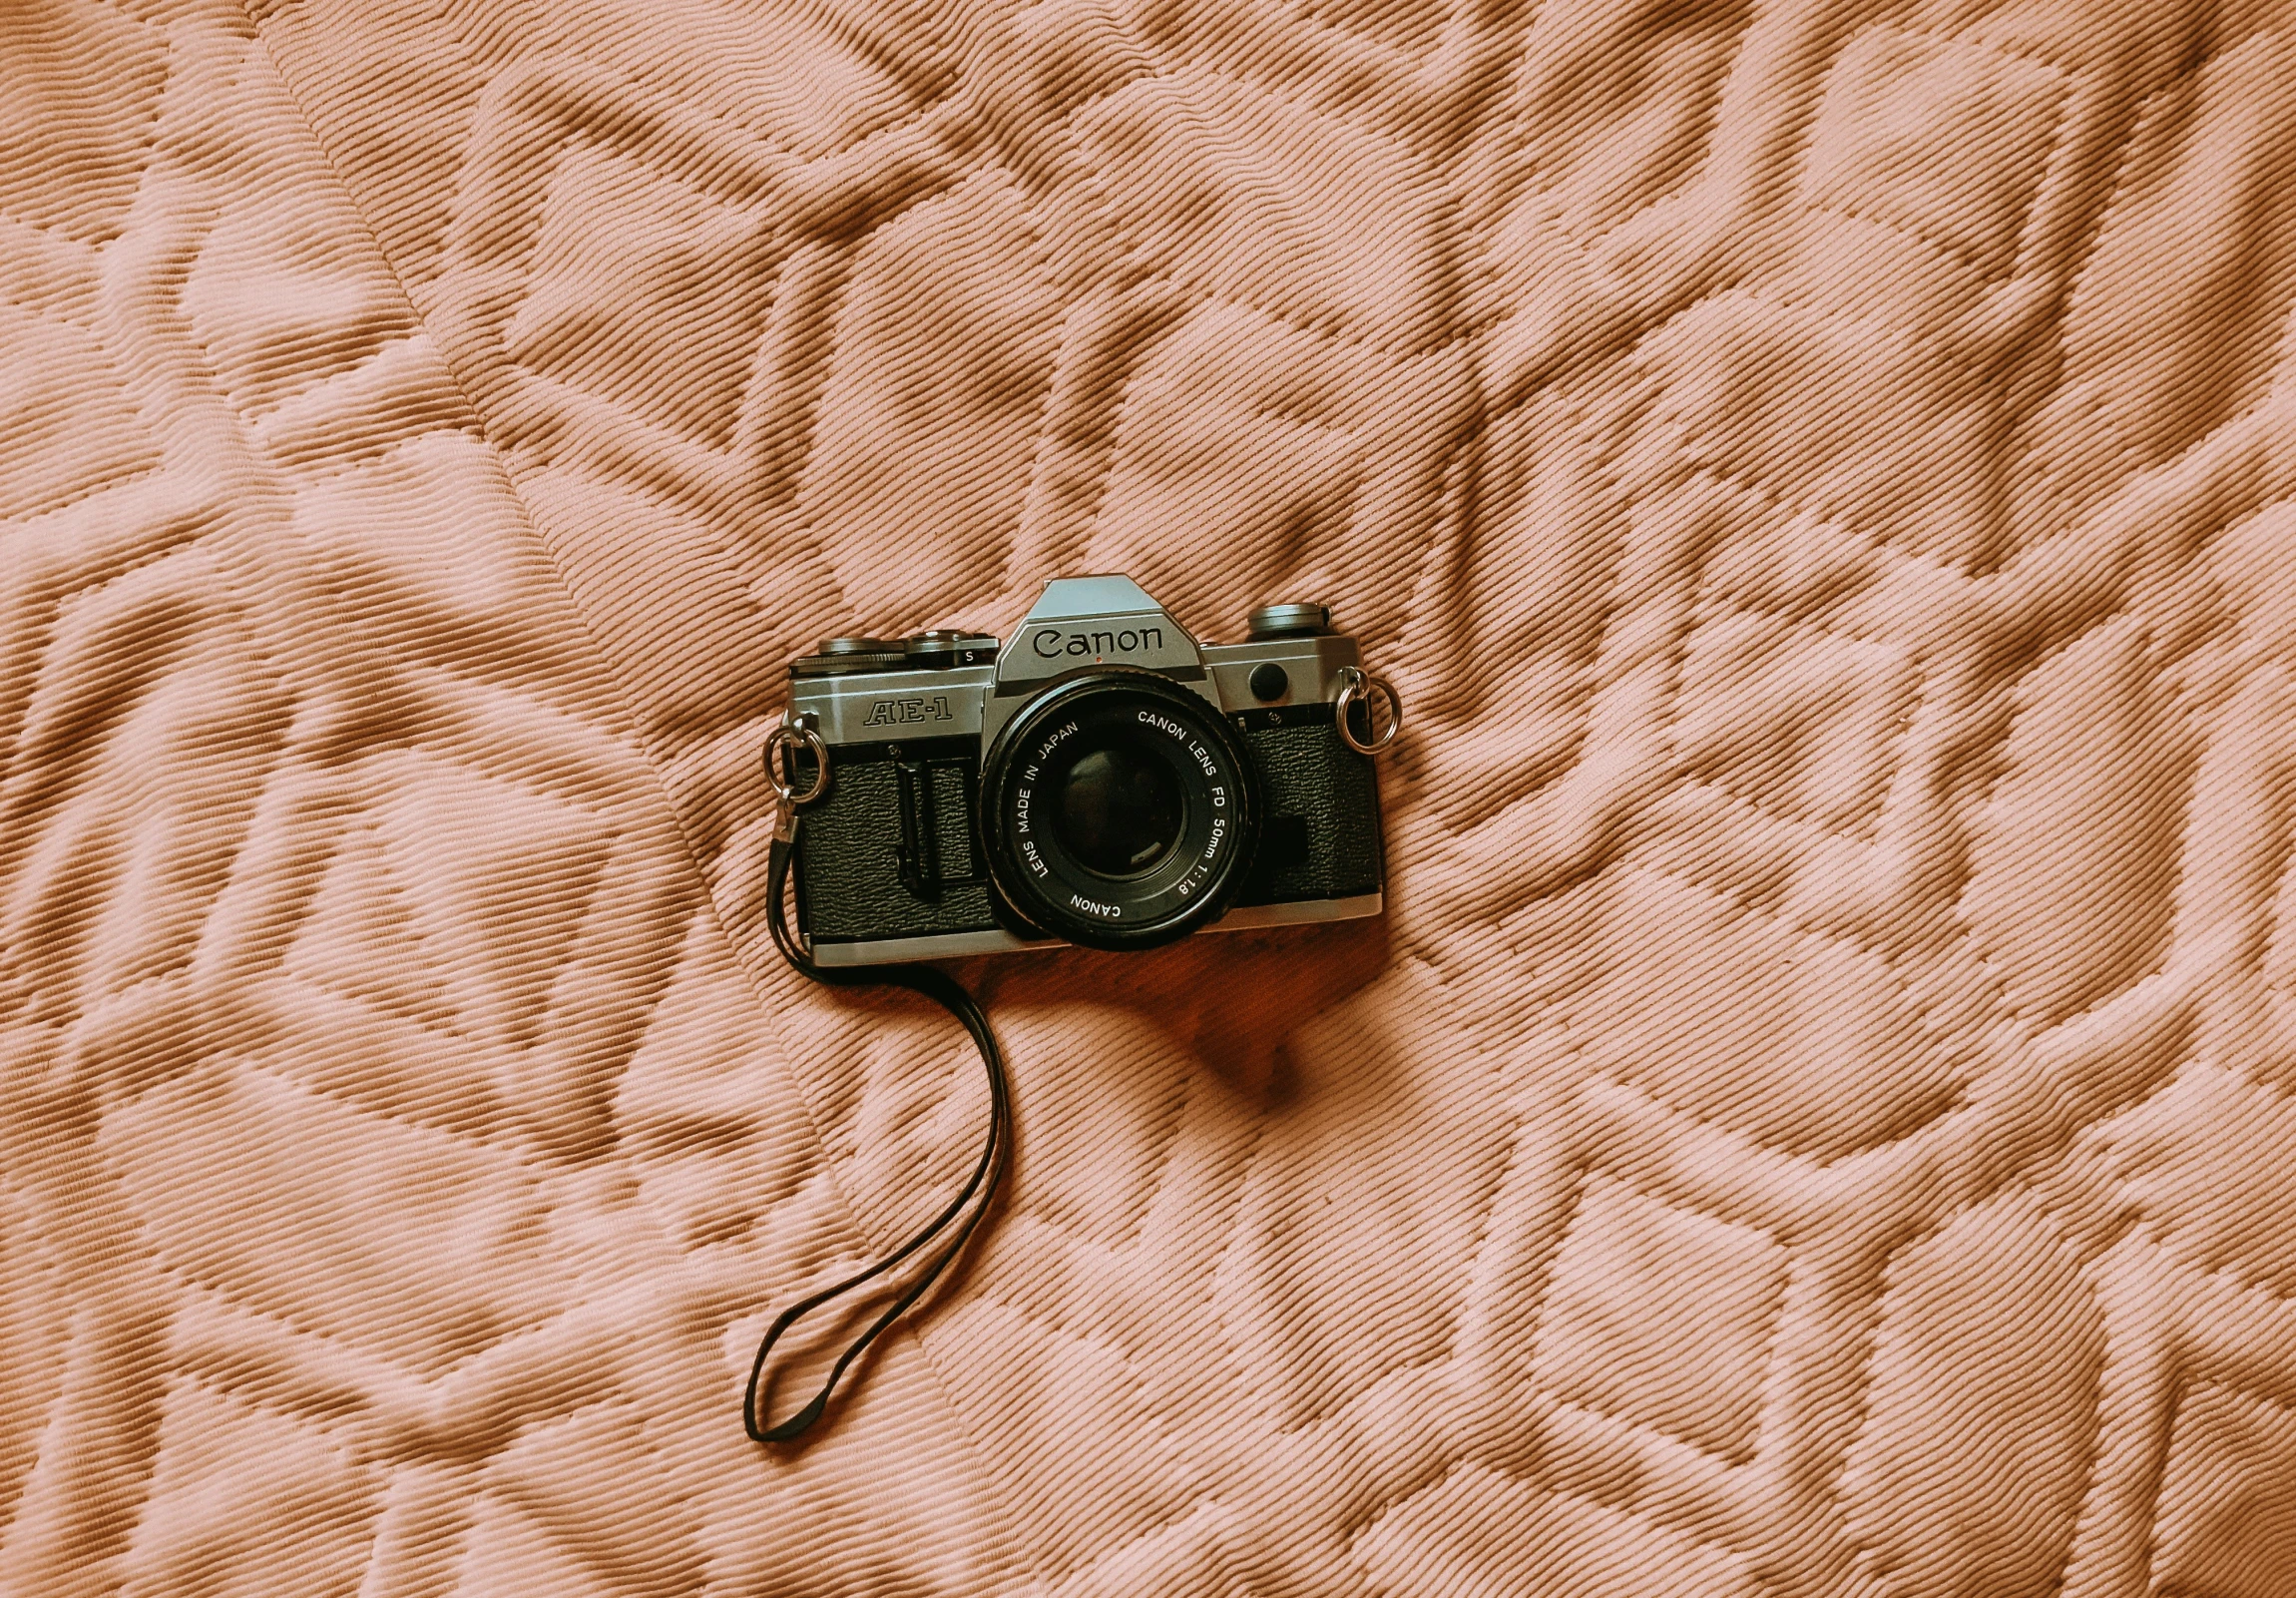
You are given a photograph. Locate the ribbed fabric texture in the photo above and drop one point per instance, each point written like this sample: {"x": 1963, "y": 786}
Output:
{"x": 1817, "y": 1119}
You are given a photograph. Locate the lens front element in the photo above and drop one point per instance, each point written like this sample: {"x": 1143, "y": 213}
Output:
{"x": 1119, "y": 810}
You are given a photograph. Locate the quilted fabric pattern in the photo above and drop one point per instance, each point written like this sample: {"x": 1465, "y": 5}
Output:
{"x": 1819, "y": 1117}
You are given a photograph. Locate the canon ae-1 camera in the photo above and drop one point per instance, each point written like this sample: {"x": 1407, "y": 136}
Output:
{"x": 1102, "y": 779}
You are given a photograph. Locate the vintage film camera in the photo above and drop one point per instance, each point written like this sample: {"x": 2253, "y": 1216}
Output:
{"x": 1101, "y": 779}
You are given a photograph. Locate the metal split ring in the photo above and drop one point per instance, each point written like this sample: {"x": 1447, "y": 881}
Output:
{"x": 1357, "y": 683}
{"x": 792, "y": 734}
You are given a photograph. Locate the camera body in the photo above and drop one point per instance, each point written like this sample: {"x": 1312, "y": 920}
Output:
{"x": 1102, "y": 779}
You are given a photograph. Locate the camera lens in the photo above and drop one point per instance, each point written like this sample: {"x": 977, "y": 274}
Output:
{"x": 1118, "y": 810}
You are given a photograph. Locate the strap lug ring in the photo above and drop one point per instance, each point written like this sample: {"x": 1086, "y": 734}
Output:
{"x": 1356, "y": 684}
{"x": 795, "y": 733}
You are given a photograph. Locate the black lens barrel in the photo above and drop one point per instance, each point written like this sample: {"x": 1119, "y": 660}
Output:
{"x": 1119, "y": 809}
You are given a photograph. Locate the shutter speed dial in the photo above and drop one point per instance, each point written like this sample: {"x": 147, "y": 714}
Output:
{"x": 1297, "y": 619}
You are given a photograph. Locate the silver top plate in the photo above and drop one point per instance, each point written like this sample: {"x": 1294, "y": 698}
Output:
{"x": 895, "y": 705}
{"x": 1078, "y": 622}
{"x": 1311, "y": 664}
{"x": 1094, "y": 620}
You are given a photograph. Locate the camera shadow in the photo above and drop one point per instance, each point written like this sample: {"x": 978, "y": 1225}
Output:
{"x": 1233, "y": 998}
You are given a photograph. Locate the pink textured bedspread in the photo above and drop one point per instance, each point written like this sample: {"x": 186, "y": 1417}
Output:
{"x": 1818, "y": 1117}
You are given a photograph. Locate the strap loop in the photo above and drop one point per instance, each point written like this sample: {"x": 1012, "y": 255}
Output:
{"x": 1357, "y": 686}
{"x": 988, "y": 1172}
{"x": 796, "y": 733}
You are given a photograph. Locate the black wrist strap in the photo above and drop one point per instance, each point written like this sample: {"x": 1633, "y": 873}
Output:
{"x": 979, "y": 1192}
